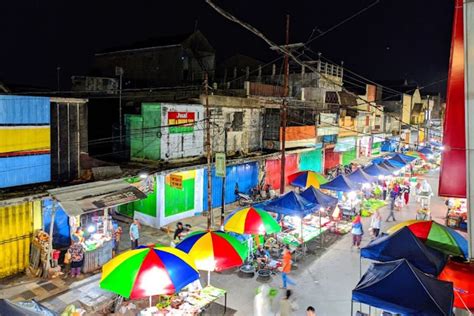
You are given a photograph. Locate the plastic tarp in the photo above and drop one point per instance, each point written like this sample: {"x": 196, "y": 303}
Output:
{"x": 315, "y": 196}
{"x": 291, "y": 204}
{"x": 375, "y": 170}
{"x": 425, "y": 151}
{"x": 25, "y": 308}
{"x": 340, "y": 183}
{"x": 389, "y": 146}
{"x": 61, "y": 230}
{"x": 385, "y": 164}
{"x": 399, "y": 287}
{"x": 361, "y": 177}
{"x": 462, "y": 275}
{"x": 405, "y": 245}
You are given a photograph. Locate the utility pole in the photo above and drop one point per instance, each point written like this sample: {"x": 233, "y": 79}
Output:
{"x": 208, "y": 154}
{"x": 119, "y": 72}
{"x": 223, "y": 178}
{"x": 284, "y": 109}
{"x": 58, "y": 70}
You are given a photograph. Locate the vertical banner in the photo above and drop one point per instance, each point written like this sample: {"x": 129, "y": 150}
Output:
{"x": 454, "y": 141}
{"x": 220, "y": 164}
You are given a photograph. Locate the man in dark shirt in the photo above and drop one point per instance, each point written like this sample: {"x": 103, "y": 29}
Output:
{"x": 179, "y": 230}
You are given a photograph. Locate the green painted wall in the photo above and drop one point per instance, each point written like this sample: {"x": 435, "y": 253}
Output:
{"x": 134, "y": 126}
{"x": 376, "y": 148}
{"x": 151, "y": 114}
{"x": 349, "y": 156}
{"x": 311, "y": 160}
{"x": 179, "y": 201}
{"x": 146, "y": 206}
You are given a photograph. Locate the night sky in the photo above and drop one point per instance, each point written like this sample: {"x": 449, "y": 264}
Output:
{"x": 394, "y": 39}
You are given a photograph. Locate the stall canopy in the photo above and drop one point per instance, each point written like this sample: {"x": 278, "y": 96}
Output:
{"x": 375, "y": 170}
{"x": 398, "y": 159}
{"x": 315, "y": 196}
{"x": 25, "y": 308}
{"x": 385, "y": 164}
{"x": 360, "y": 176}
{"x": 425, "y": 151}
{"x": 418, "y": 294}
{"x": 80, "y": 199}
{"x": 405, "y": 245}
{"x": 340, "y": 183}
{"x": 291, "y": 204}
{"x": 407, "y": 158}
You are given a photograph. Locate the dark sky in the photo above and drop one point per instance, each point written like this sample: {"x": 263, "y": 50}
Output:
{"x": 395, "y": 39}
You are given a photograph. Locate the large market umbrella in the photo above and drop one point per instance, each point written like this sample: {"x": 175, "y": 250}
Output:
{"x": 436, "y": 236}
{"x": 252, "y": 221}
{"x": 416, "y": 154}
{"x": 148, "y": 271}
{"x": 305, "y": 179}
{"x": 462, "y": 276}
{"x": 214, "y": 250}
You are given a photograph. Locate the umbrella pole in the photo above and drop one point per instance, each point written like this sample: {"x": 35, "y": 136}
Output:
{"x": 352, "y": 307}
{"x": 208, "y": 277}
{"x": 150, "y": 301}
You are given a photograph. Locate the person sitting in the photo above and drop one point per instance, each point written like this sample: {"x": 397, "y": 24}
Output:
{"x": 179, "y": 230}
{"x": 263, "y": 257}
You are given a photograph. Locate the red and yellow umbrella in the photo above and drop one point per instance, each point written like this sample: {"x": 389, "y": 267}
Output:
{"x": 214, "y": 250}
{"x": 146, "y": 271}
{"x": 436, "y": 236}
{"x": 253, "y": 221}
{"x": 462, "y": 276}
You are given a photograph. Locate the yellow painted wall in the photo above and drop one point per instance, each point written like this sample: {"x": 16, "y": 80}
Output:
{"x": 17, "y": 223}
{"x": 406, "y": 109}
{"x": 24, "y": 139}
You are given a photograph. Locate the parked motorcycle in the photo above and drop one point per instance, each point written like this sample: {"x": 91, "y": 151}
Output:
{"x": 256, "y": 195}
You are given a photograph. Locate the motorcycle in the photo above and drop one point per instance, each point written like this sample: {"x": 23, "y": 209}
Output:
{"x": 256, "y": 195}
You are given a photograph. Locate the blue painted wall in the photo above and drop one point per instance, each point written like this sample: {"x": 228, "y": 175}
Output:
{"x": 246, "y": 175}
{"x": 24, "y": 170}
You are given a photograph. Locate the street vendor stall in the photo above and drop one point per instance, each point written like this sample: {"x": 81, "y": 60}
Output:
{"x": 347, "y": 191}
{"x": 87, "y": 207}
{"x": 456, "y": 216}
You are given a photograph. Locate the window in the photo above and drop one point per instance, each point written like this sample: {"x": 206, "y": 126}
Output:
{"x": 237, "y": 121}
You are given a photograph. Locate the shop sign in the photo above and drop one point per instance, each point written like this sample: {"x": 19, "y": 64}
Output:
{"x": 184, "y": 122}
{"x": 220, "y": 164}
{"x": 118, "y": 198}
{"x": 176, "y": 181}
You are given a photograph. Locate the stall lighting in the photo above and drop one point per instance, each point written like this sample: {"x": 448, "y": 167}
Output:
{"x": 441, "y": 148}
{"x": 381, "y": 177}
{"x": 91, "y": 229}
{"x": 430, "y": 156}
{"x": 352, "y": 195}
{"x": 365, "y": 185}
{"x": 143, "y": 175}
{"x": 396, "y": 172}
{"x": 321, "y": 209}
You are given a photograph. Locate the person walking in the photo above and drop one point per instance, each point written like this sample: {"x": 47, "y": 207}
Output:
{"x": 76, "y": 252}
{"x": 376, "y": 223}
{"x": 134, "y": 233}
{"x": 357, "y": 231}
{"x": 287, "y": 305}
{"x": 393, "y": 196}
{"x": 262, "y": 302}
{"x": 310, "y": 311}
{"x": 406, "y": 194}
{"x": 286, "y": 267}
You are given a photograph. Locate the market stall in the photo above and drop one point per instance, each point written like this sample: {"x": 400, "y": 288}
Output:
{"x": 88, "y": 209}
{"x": 347, "y": 190}
{"x": 457, "y": 213}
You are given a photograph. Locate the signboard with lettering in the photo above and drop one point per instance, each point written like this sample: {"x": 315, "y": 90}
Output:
{"x": 220, "y": 164}
{"x": 183, "y": 121}
{"x": 176, "y": 181}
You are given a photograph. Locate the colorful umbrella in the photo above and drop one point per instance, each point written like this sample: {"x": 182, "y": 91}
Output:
{"x": 436, "y": 236}
{"x": 214, "y": 250}
{"x": 148, "y": 271}
{"x": 462, "y": 276}
{"x": 416, "y": 154}
{"x": 253, "y": 221}
{"x": 305, "y": 179}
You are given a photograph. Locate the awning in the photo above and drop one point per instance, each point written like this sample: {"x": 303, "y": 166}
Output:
{"x": 80, "y": 199}
{"x": 345, "y": 144}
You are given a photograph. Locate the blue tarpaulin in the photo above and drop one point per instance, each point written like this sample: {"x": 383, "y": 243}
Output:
{"x": 399, "y": 287}
{"x": 375, "y": 170}
{"x": 389, "y": 146}
{"x": 403, "y": 244}
{"x": 398, "y": 160}
{"x": 407, "y": 158}
{"x": 425, "y": 151}
{"x": 315, "y": 196}
{"x": 341, "y": 183}
{"x": 361, "y": 177}
{"x": 385, "y": 164}
{"x": 291, "y": 204}
{"x": 61, "y": 230}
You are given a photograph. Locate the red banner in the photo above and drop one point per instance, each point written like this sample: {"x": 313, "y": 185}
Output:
{"x": 181, "y": 122}
{"x": 452, "y": 181}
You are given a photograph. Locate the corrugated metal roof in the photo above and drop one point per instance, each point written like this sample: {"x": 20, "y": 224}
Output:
{"x": 83, "y": 198}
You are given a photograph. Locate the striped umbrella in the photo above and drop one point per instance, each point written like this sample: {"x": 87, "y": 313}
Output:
{"x": 214, "y": 250}
{"x": 305, "y": 179}
{"x": 416, "y": 154}
{"x": 436, "y": 236}
{"x": 252, "y": 221}
{"x": 148, "y": 271}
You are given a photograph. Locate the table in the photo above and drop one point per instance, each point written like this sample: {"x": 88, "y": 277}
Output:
{"x": 94, "y": 259}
